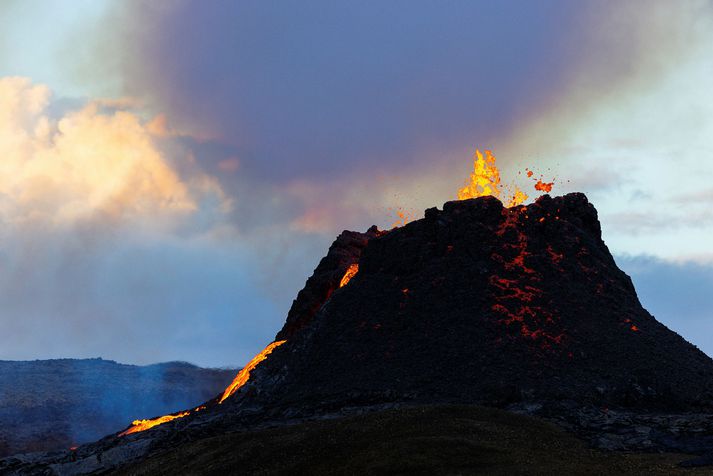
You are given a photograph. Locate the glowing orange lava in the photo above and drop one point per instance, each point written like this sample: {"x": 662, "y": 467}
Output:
{"x": 141, "y": 425}
{"x": 485, "y": 180}
{"x": 244, "y": 374}
{"x": 403, "y": 218}
{"x": 351, "y": 272}
{"x": 544, "y": 186}
{"x": 239, "y": 380}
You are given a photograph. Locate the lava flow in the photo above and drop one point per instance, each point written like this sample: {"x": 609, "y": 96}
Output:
{"x": 244, "y": 374}
{"x": 141, "y": 425}
{"x": 351, "y": 272}
{"x": 239, "y": 380}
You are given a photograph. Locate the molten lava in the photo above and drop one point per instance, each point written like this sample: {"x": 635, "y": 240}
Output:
{"x": 403, "y": 218}
{"x": 244, "y": 375}
{"x": 544, "y": 186}
{"x": 351, "y": 272}
{"x": 485, "y": 180}
{"x": 141, "y": 425}
{"x": 240, "y": 380}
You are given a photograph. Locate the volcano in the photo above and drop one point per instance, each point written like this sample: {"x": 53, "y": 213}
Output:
{"x": 481, "y": 303}
{"x": 518, "y": 307}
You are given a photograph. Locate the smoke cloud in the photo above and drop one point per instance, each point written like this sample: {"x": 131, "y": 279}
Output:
{"x": 186, "y": 219}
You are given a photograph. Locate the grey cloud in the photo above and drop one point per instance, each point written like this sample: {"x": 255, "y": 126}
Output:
{"x": 326, "y": 89}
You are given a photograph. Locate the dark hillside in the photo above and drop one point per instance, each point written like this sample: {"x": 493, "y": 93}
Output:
{"x": 423, "y": 440}
{"x": 56, "y": 404}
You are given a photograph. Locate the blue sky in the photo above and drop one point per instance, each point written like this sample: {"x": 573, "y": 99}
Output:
{"x": 173, "y": 171}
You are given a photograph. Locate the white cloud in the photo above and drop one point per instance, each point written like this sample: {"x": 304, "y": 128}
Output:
{"x": 98, "y": 161}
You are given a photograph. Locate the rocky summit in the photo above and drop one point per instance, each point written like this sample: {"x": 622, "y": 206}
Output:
{"x": 522, "y": 308}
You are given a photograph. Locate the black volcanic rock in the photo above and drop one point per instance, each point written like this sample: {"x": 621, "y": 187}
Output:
{"x": 481, "y": 303}
{"x": 344, "y": 252}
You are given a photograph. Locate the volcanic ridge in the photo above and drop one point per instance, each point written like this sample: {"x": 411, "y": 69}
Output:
{"x": 518, "y": 307}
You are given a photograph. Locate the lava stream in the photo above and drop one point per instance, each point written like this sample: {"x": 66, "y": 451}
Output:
{"x": 351, "y": 272}
{"x": 141, "y": 425}
{"x": 239, "y": 380}
{"x": 244, "y": 375}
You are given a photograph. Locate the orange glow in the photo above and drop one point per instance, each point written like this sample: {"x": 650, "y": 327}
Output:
{"x": 403, "y": 218}
{"x": 485, "y": 180}
{"x": 351, "y": 272}
{"x": 518, "y": 291}
{"x": 239, "y": 380}
{"x": 244, "y": 374}
{"x": 141, "y": 425}
{"x": 518, "y": 197}
{"x": 544, "y": 186}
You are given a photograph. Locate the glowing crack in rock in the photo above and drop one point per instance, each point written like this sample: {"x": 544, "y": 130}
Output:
{"x": 351, "y": 272}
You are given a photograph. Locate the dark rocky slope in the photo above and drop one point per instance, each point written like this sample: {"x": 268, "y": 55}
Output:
{"x": 55, "y": 404}
{"x": 480, "y": 303}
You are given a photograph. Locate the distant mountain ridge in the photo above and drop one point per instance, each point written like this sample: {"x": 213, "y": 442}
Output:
{"x": 55, "y": 404}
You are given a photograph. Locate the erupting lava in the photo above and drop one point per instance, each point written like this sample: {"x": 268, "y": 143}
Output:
{"x": 351, "y": 272}
{"x": 485, "y": 180}
{"x": 243, "y": 376}
{"x": 403, "y": 218}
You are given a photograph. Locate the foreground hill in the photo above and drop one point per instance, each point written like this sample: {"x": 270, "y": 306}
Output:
{"x": 418, "y": 440}
{"x": 55, "y": 404}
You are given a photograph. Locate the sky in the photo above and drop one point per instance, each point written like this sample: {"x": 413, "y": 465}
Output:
{"x": 171, "y": 172}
